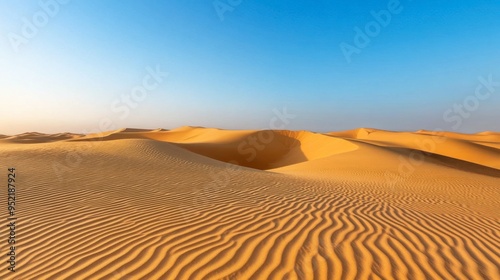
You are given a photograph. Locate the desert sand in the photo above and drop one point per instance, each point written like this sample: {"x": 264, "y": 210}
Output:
{"x": 204, "y": 203}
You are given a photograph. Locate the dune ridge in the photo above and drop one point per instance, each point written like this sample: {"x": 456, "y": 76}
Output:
{"x": 187, "y": 203}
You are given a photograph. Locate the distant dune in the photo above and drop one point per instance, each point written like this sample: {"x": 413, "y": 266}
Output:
{"x": 35, "y": 137}
{"x": 206, "y": 203}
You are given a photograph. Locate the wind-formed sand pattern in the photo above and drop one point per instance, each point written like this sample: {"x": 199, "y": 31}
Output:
{"x": 159, "y": 204}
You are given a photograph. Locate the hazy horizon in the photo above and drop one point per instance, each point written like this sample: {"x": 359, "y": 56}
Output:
{"x": 77, "y": 66}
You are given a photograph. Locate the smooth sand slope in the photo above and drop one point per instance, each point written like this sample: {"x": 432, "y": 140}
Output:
{"x": 200, "y": 203}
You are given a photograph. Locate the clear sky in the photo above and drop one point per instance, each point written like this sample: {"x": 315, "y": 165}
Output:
{"x": 334, "y": 65}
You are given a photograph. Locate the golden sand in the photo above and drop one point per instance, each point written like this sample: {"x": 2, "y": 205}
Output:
{"x": 158, "y": 204}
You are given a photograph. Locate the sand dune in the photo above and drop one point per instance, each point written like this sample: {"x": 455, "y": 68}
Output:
{"x": 482, "y": 136}
{"x": 478, "y": 149}
{"x": 168, "y": 204}
{"x": 35, "y": 137}
{"x": 256, "y": 149}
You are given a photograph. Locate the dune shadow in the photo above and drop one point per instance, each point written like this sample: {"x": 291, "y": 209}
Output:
{"x": 450, "y": 162}
{"x": 266, "y": 149}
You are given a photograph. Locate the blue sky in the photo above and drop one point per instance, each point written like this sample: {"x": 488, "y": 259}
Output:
{"x": 232, "y": 64}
